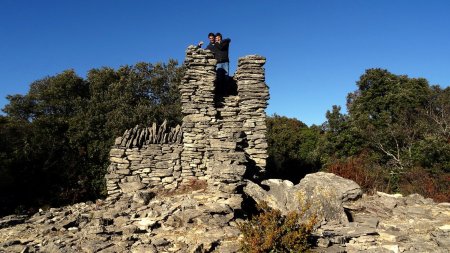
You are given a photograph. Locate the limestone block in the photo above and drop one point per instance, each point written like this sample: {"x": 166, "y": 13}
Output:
{"x": 255, "y": 151}
{"x": 161, "y": 173}
{"x": 114, "y": 192}
{"x": 117, "y": 152}
{"x": 135, "y": 157}
{"x": 123, "y": 172}
{"x": 123, "y": 166}
{"x": 119, "y": 160}
{"x": 113, "y": 176}
{"x": 112, "y": 181}
{"x": 262, "y": 146}
{"x": 176, "y": 174}
{"x": 162, "y": 165}
{"x": 168, "y": 180}
{"x": 130, "y": 187}
{"x": 151, "y": 151}
{"x": 193, "y": 118}
{"x": 146, "y": 180}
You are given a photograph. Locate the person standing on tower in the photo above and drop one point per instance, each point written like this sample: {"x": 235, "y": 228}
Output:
{"x": 221, "y": 53}
{"x": 212, "y": 41}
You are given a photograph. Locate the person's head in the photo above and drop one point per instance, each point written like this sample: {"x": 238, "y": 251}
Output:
{"x": 218, "y": 37}
{"x": 211, "y": 37}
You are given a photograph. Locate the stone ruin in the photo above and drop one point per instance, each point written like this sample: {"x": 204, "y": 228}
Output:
{"x": 220, "y": 140}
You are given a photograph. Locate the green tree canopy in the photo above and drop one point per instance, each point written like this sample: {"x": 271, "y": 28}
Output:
{"x": 386, "y": 111}
{"x": 57, "y": 136}
{"x": 292, "y": 148}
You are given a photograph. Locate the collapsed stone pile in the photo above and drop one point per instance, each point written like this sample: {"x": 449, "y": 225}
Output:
{"x": 176, "y": 223}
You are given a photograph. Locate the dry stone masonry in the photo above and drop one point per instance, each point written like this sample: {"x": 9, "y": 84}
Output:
{"x": 139, "y": 136}
{"x": 220, "y": 139}
{"x": 144, "y": 156}
{"x": 253, "y": 96}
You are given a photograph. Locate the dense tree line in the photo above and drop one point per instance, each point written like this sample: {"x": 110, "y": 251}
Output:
{"x": 55, "y": 140}
{"x": 394, "y": 138}
{"x": 292, "y": 148}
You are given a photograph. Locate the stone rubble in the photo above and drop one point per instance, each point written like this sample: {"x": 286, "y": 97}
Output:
{"x": 176, "y": 223}
{"x": 376, "y": 223}
{"x": 205, "y": 220}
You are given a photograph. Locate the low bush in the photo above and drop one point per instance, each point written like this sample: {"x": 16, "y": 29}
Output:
{"x": 271, "y": 231}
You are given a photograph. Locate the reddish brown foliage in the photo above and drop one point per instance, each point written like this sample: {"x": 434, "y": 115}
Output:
{"x": 358, "y": 169}
{"x": 373, "y": 178}
{"x": 421, "y": 181}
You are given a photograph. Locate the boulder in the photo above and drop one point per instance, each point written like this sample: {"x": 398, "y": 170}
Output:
{"x": 276, "y": 196}
{"x": 324, "y": 193}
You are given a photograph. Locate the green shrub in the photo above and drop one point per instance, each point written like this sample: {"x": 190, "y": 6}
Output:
{"x": 271, "y": 231}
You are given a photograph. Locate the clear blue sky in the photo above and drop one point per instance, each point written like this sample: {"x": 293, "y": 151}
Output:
{"x": 316, "y": 50}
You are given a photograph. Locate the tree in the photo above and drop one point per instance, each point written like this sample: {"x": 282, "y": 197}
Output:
{"x": 433, "y": 150}
{"x": 341, "y": 140}
{"x": 118, "y": 100}
{"x": 291, "y": 148}
{"x": 385, "y": 111}
{"x": 57, "y": 136}
{"x": 41, "y": 160}
{"x": 438, "y": 112}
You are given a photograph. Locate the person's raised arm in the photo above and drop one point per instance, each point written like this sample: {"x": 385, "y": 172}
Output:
{"x": 226, "y": 41}
{"x": 223, "y": 44}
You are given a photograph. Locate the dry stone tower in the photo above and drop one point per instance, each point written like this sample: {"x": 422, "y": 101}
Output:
{"x": 221, "y": 140}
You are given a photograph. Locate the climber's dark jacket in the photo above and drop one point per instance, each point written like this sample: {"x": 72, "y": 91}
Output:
{"x": 221, "y": 51}
{"x": 211, "y": 47}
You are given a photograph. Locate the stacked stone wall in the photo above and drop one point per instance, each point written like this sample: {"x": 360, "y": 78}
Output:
{"x": 198, "y": 108}
{"x": 145, "y": 157}
{"x": 253, "y": 96}
{"x": 220, "y": 139}
{"x": 227, "y": 164}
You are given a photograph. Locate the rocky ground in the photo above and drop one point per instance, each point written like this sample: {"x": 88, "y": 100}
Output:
{"x": 206, "y": 221}
{"x": 390, "y": 223}
{"x": 352, "y": 222}
{"x": 198, "y": 221}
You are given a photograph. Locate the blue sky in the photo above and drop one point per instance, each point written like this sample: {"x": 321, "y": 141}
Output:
{"x": 316, "y": 50}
